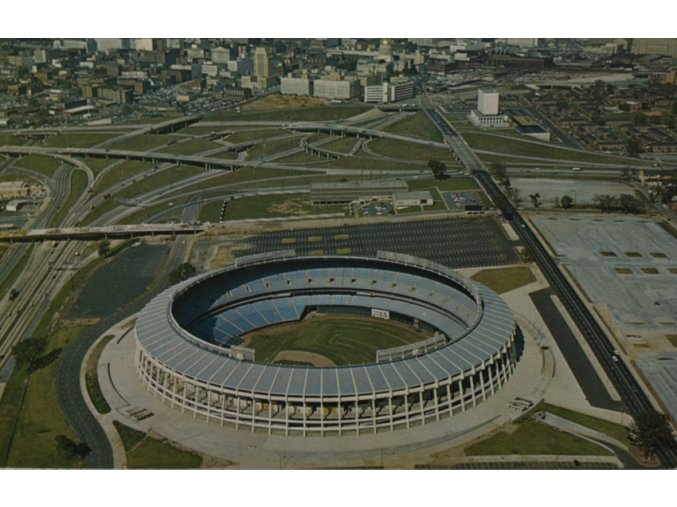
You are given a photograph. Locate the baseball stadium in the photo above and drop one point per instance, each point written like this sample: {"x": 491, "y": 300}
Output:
{"x": 201, "y": 344}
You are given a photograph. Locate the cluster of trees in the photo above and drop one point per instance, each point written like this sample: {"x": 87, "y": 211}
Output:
{"x": 70, "y": 450}
{"x": 183, "y": 272}
{"x": 650, "y": 433}
{"x": 625, "y": 202}
{"x": 438, "y": 168}
{"x": 499, "y": 171}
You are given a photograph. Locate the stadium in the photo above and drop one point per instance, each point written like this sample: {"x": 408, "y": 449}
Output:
{"x": 190, "y": 350}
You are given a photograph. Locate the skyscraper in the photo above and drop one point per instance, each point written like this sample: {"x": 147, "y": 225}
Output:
{"x": 261, "y": 63}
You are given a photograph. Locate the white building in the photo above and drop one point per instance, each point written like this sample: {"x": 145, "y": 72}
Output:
{"x": 487, "y": 102}
{"x": 376, "y": 93}
{"x": 406, "y": 199}
{"x": 142, "y": 44}
{"x": 342, "y": 90}
{"x": 221, "y": 55}
{"x": 295, "y": 86}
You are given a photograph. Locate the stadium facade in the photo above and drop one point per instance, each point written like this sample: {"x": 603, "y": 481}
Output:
{"x": 188, "y": 338}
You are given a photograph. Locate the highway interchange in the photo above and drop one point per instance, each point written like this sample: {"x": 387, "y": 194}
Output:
{"x": 47, "y": 267}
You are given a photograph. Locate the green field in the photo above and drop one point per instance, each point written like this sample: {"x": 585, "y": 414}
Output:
{"x": 340, "y": 144}
{"x": 145, "y": 452}
{"x": 267, "y": 148}
{"x": 321, "y": 113}
{"x": 411, "y": 151}
{"x": 146, "y": 142}
{"x": 78, "y": 140}
{"x": 343, "y": 339}
{"x": 120, "y": 172}
{"x": 242, "y": 136}
{"x": 502, "y": 280}
{"x": 267, "y": 206}
{"x": 190, "y": 147}
{"x": 613, "y": 430}
{"x": 92, "y": 377}
{"x": 417, "y": 125}
{"x": 97, "y": 164}
{"x": 532, "y": 437}
{"x": 39, "y": 163}
{"x": 7, "y": 139}
{"x": 78, "y": 187}
{"x": 368, "y": 164}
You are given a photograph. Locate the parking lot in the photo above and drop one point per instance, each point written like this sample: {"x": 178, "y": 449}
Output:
{"x": 582, "y": 191}
{"x": 457, "y": 201}
{"x": 627, "y": 263}
{"x": 457, "y": 243}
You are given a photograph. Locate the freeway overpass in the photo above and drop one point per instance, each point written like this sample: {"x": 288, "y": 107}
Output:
{"x": 104, "y": 232}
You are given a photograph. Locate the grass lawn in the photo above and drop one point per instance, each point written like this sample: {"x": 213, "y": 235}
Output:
{"x": 211, "y": 212}
{"x": 121, "y": 172}
{"x": 482, "y": 141}
{"x": 7, "y": 139}
{"x": 40, "y": 163}
{"x": 322, "y": 113}
{"x": 266, "y": 206}
{"x": 672, "y": 338}
{"x": 9, "y": 280}
{"x": 613, "y": 430}
{"x": 368, "y": 163}
{"x": 97, "y": 164}
{"x": 344, "y": 339}
{"x": 145, "y": 452}
{"x": 411, "y": 151}
{"x": 146, "y": 142}
{"x": 449, "y": 184}
{"x": 532, "y": 437}
{"x": 78, "y": 187}
{"x": 92, "y": 377}
{"x": 340, "y": 144}
{"x": 300, "y": 158}
{"x": 503, "y": 280}
{"x": 417, "y": 125}
{"x": 78, "y": 140}
{"x": 190, "y": 147}
{"x": 267, "y": 148}
{"x": 242, "y": 136}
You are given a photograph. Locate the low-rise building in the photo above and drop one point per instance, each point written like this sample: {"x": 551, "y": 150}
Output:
{"x": 342, "y": 90}
{"x": 417, "y": 198}
{"x": 295, "y": 86}
{"x": 355, "y": 191}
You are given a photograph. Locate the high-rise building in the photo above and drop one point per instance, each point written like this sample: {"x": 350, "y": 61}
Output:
{"x": 487, "y": 102}
{"x": 261, "y": 62}
{"x": 295, "y": 86}
{"x": 665, "y": 47}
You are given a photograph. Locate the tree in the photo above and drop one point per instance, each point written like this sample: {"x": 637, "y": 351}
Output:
{"x": 183, "y": 272}
{"x": 535, "y": 199}
{"x": 499, "y": 171}
{"x": 104, "y": 248}
{"x": 28, "y": 351}
{"x": 604, "y": 202}
{"x": 438, "y": 168}
{"x": 567, "y": 202}
{"x": 651, "y": 432}
{"x": 70, "y": 450}
{"x": 633, "y": 146}
{"x": 630, "y": 204}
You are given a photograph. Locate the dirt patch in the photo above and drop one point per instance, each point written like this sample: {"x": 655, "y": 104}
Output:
{"x": 303, "y": 357}
{"x": 284, "y": 102}
{"x": 223, "y": 256}
{"x": 288, "y": 207}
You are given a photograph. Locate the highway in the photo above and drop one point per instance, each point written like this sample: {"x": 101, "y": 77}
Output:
{"x": 621, "y": 377}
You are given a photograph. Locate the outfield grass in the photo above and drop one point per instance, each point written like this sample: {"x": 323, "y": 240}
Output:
{"x": 344, "y": 339}
{"x": 502, "y": 280}
{"x": 532, "y": 437}
{"x": 92, "y": 377}
{"x": 417, "y": 125}
{"x": 145, "y": 452}
{"x": 78, "y": 140}
{"x": 40, "y": 163}
{"x": 78, "y": 187}
{"x": 268, "y": 206}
